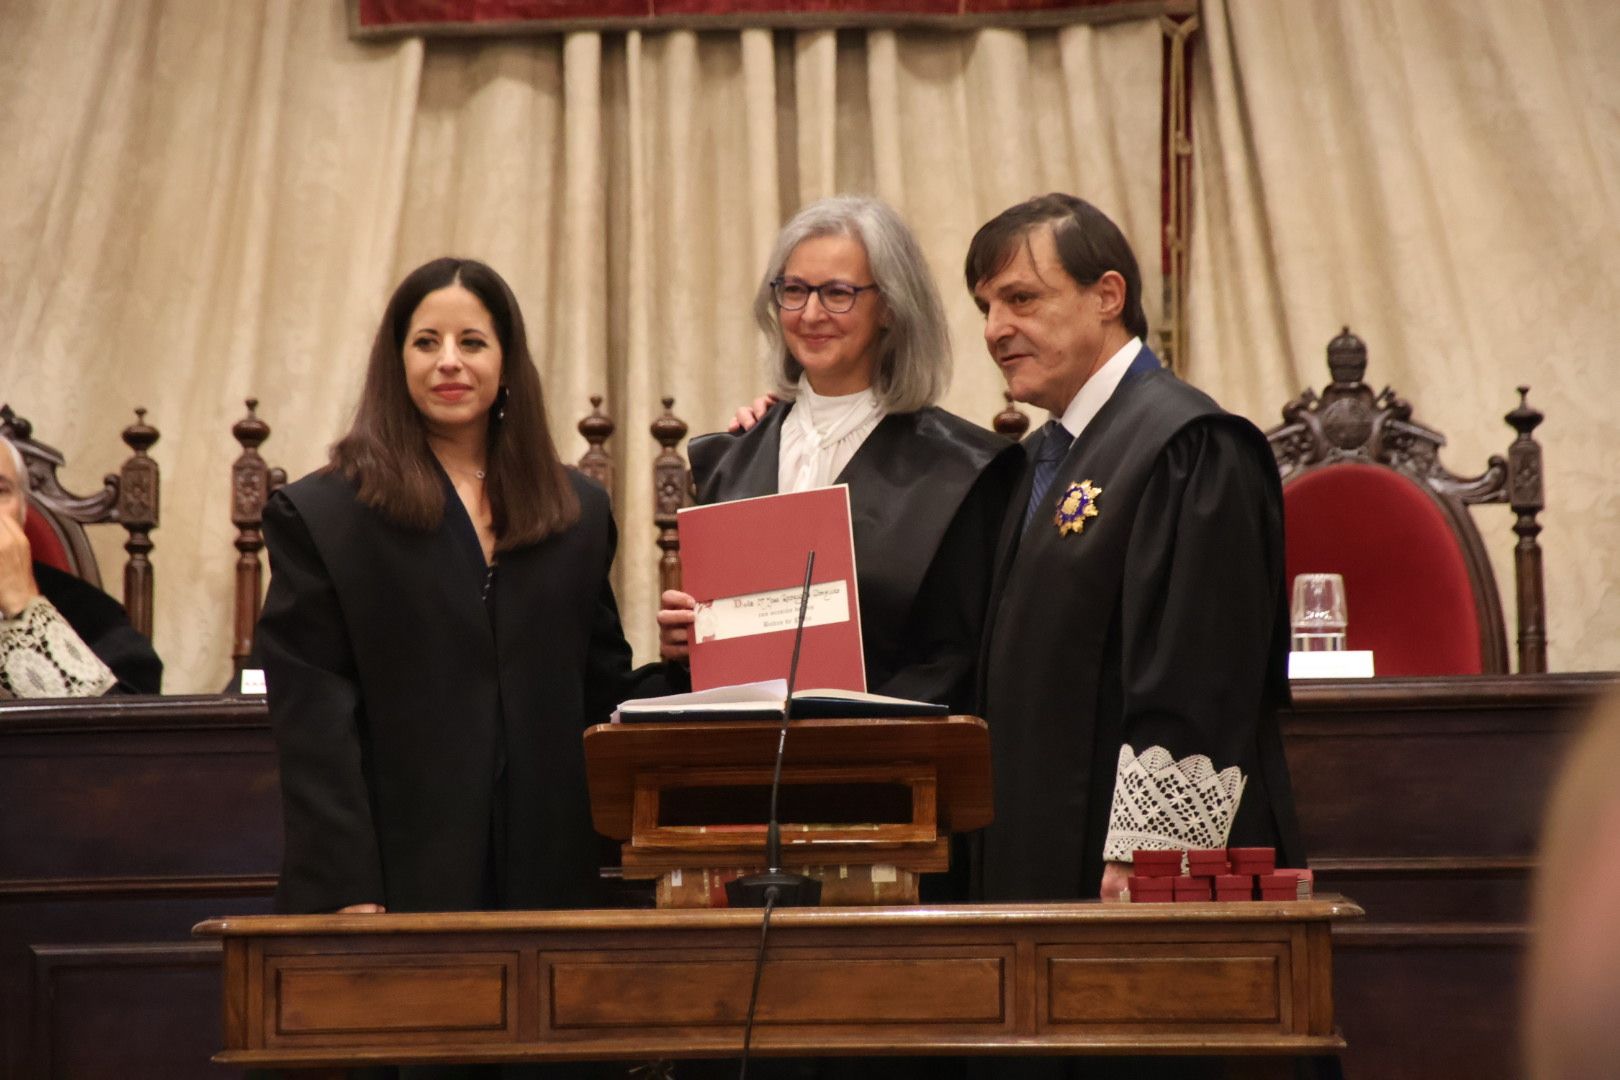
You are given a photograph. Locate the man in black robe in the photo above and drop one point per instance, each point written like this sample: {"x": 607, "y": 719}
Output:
{"x": 1136, "y": 648}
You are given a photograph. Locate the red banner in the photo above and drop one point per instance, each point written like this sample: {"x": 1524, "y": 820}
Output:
{"x": 384, "y": 17}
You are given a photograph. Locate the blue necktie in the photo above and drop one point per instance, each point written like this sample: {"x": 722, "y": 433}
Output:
{"x": 1055, "y": 440}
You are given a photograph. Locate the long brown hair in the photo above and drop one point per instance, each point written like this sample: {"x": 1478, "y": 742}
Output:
{"x": 386, "y": 450}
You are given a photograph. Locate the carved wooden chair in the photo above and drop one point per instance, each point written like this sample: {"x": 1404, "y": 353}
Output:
{"x": 1366, "y": 496}
{"x": 57, "y": 517}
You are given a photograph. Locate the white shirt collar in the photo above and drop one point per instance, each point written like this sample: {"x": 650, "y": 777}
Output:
{"x": 1099, "y": 388}
{"x": 821, "y": 434}
{"x": 825, "y": 412}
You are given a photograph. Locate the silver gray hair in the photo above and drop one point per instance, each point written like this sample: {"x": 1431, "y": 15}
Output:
{"x": 914, "y": 349}
{"x": 22, "y": 477}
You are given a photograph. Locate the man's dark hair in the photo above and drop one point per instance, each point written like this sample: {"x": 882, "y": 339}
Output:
{"x": 1088, "y": 243}
{"x": 386, "y": 450}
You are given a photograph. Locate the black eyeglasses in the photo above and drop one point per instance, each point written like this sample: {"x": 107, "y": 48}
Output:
{"x": 836, "y": 296}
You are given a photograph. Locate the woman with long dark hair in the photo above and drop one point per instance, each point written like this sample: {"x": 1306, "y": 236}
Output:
{"x": 440, "y": 628}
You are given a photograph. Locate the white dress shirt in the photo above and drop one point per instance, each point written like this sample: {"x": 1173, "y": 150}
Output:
{"x": 821, "y": 434}
{"x": 1098, "y": 389}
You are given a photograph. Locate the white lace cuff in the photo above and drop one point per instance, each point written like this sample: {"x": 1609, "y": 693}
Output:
{"x": 42, "y": 657}
{"x": 1161, "y": 804}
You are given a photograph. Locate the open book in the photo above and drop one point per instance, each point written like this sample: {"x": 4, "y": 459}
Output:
{"x": 765, "y": 701}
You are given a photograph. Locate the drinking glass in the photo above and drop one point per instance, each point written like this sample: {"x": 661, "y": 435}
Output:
{"x": 1319, "y": 613}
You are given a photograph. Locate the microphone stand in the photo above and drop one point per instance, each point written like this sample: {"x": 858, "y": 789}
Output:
{"x": 775, "y": 887}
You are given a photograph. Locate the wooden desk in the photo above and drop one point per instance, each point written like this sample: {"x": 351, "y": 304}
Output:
{"x": 321, "y": 990}
{"x": 1422, "y": 798}
{"x": 125, "y": 822}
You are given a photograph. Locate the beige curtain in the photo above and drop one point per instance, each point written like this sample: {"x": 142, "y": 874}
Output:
{"x": 1444, "y": 177}
{"x": 208, "y": 200}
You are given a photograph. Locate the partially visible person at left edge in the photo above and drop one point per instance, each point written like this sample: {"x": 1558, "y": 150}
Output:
{"x": 440, "y": 628}
{"x": 59, "y": 636}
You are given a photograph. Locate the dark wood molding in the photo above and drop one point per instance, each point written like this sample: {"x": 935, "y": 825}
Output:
{"x": 194, "y": 712}
{"x": 138, "y": 888}
{"x": 1430, "y": 935}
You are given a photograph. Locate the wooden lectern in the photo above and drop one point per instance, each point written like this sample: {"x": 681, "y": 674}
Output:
{"x": 866, "y": 804}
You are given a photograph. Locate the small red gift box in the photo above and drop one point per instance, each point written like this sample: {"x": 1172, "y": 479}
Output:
{"x": 1252, "y": 860}
{"x": 1207, "y": 862}
{"x": 1234, "y": 887}
{"x": 1157, "y": 864}
{"x": 1191, "y": 889}
{"x": 1279, "y": 887}
{"x": 1304, "y": 881}
{"x": 1151, "y": 890}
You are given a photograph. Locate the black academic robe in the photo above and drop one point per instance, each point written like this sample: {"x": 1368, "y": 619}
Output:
{"x": 1161, "y": 623}
{"x": 103, "y": 624}
{"x": 927, "y": 491}
{"x": 430, "y": 747}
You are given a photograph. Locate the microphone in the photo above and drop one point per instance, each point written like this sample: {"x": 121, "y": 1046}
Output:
{"x": 775, "y": 887}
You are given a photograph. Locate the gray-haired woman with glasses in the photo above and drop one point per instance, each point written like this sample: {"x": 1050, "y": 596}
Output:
{"x": 858, "y": 354}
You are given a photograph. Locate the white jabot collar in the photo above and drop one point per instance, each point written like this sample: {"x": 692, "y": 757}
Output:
{"x": 821, "y": 434}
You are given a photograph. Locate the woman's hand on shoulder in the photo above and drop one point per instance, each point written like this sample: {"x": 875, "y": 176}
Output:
{"x": 675, "y": 617}
{"x": 749, "y": 415}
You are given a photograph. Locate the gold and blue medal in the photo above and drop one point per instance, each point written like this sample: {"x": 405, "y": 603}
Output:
{"x": 1078, "y": 504}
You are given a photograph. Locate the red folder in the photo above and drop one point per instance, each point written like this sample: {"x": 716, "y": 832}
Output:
{"x": 758, "y": 546}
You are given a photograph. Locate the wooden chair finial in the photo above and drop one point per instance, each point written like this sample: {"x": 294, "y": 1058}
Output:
{"x": 1011, "y": 421}
{"x": 252, "y": 482}
{"x": 597, "y": 428}
{"x": 672, "y": 489}
{"x": 137, "y": 512}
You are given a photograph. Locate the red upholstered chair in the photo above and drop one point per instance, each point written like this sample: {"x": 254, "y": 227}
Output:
{"x": 57, "y": 517}
{"x": 1365, "y": 496}
{"x": 45, "y": 541}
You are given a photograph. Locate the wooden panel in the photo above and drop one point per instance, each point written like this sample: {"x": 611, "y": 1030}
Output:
{"x": 839, "y": 980}
{"x": 798, "y": 987}
{"x": 1432, "y": 758}
{"x": 1428, "y": 985}
{"x": 328, "y": 996}
{"x": 1418, "y": 1003}
{"x": 140, "y": 805}
{"x": 122, "y": 822}
{"x": 1166, "y": 987}
{"x": 130, "y": 1011}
